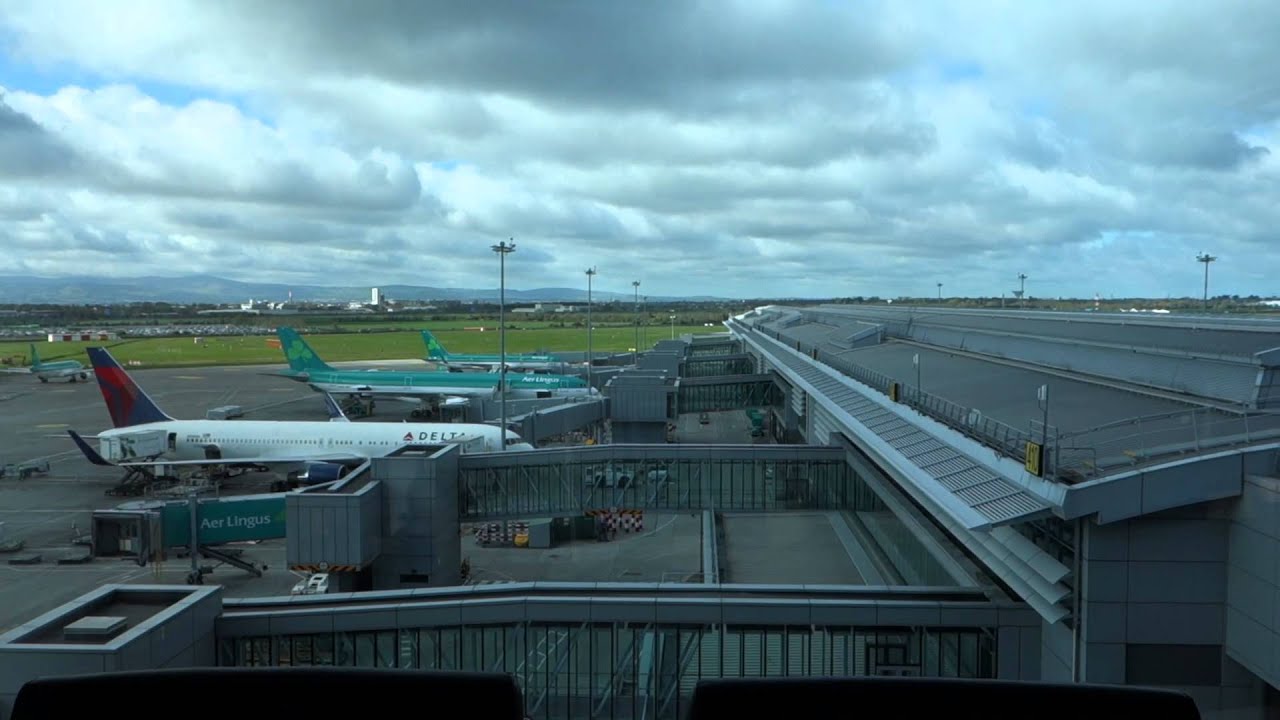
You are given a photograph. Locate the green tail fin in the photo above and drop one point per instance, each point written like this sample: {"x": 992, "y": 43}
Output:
{"x": 35, "y": 356}
{"x": 298, "y": 353}
{"x": 435, "y": 350}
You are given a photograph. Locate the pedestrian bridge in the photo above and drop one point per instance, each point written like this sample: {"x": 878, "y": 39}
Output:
{"x": 574, "y": 480}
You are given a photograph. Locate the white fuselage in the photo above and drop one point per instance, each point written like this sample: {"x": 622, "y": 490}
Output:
{"x": 263, "y": 440}
{"x": 74, "y": 373}
{"x": 410, "y": 391}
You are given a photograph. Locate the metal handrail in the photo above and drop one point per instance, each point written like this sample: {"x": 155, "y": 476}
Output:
{"x": 1069, "y": 457}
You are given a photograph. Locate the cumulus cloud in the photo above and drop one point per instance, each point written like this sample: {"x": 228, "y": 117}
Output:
{"x": 730, "y": 147}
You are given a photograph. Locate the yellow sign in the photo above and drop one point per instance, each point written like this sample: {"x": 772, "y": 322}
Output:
{"x": 1035, "y": 458}
{"x": 893, "y": 392}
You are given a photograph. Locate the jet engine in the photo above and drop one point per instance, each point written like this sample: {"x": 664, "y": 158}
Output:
{"x": 321, "y": 473}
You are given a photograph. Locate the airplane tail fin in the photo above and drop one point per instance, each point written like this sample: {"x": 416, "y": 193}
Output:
{"x": 435, "y": 351}
{"x": 335, "y": 411}
{"x": 35, "y": 357}
{"x": 299, "y": 354}
{"x": 127, "y": 403}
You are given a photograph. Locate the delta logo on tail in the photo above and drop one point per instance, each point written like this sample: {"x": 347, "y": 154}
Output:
{"x": 408, "y": 437}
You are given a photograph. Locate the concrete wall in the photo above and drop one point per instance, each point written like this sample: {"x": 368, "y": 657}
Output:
{"x": 335, "y": 528}
{"x": 1154, "y": 610}
{"x": 639, "y": 398}
{"x": 177, "y": 637}
{"x": 1253, "y": 578}
{"x": 645, "y": 433}
{"x": 420, "y": 543}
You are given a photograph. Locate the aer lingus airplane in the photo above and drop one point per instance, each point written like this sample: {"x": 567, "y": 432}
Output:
{"x": 73, "y": 370}
{"x": 416, "y": 385}
{"x": 316, "y": 451}
{"x": 515, "y": 361}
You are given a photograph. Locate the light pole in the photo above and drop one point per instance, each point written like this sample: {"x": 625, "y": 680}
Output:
{"x": 673, "y": 327}
{"x": 939, "y": 291}
{"x": 1206, "y": 258}
{"x": 591, "y": 272}
{"x": 644, "y": 319}
{"x": 1022, "y": 290}
{"x": 635, "y": 284}
{"x": 503, "y": 249}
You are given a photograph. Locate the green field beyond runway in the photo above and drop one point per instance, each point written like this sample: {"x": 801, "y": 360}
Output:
{"x": 254, "y": 350}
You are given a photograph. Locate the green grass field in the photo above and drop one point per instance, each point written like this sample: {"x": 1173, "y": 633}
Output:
{"x": 254, "y": 350}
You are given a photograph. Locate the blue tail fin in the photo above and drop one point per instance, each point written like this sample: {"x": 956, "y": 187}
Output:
{"x": 335, "y": 411}
{"x": 126, "y": 402}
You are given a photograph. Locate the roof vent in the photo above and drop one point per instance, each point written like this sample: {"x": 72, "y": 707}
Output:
{"x": 96, "y": 628}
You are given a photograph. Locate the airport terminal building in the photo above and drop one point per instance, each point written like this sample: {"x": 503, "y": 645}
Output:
{"x": 923, "y": 492}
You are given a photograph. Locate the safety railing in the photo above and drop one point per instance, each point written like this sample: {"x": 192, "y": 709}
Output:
{"x": 1079, "y": 455}
{"x": 1149, "y": 439}
{"x": 1003, "y": 438}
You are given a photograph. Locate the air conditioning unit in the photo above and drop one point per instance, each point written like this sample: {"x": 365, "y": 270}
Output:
{"x": 974, "y": 418}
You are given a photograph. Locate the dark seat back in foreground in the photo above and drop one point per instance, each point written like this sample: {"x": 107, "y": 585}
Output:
{"x": 272, "y": 694}
{"x": 877, "y": 697}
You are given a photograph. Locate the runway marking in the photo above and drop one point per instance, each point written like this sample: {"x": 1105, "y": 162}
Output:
{"x": 279, "y": 389}
{"x": 52, "y": 425}
{"x": 188, "y": 377}
{"x": 63, "y": 390}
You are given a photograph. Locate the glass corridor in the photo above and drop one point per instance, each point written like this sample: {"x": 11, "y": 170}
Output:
{"x": 628, "y": 671}
{"x": 638, "y": 483}
{"x": 693, "y": 398}
{"x": 713, "y": 366}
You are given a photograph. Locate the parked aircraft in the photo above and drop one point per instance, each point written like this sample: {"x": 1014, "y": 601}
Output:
{"x": 73, "y": 370}
{"x": 516, "y": 362}
{"x": 417, "y": 385}
{"x": 144, "y": 436}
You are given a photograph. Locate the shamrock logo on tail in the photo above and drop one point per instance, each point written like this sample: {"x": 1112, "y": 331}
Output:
{"x": 298, "y": 350}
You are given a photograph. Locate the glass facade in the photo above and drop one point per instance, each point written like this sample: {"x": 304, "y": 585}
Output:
{"x": 714, "y": 349}
{"x": 616, "y": 481}
{"x": 569, "y": 488}
{"x": 627, "y": 671}
{"x": 727, "y": 396}
{"x": 712, "y": 367}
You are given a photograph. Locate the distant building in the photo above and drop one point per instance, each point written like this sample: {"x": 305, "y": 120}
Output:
{"x": 376, "y": 297}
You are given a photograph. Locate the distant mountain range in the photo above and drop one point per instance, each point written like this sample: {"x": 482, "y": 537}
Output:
{"x": 82, "y": 290}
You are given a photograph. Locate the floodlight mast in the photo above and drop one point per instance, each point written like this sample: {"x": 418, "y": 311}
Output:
{"x": 503, "y": 249}
{"x": 1205, "y": 258}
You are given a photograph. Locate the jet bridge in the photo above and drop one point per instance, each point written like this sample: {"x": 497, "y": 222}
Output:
{"x": 150, "y": 531}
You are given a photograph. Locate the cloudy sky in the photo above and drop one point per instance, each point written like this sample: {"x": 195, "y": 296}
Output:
{"x": 739, "y": 148}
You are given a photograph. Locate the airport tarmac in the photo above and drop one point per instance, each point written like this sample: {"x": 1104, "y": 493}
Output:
{"x": 45, "y": 512}
{"x": 724, "y": 427}
{"x": 786, "y": 549}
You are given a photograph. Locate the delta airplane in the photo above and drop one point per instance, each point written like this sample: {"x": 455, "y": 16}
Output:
{"x": 144, "y": 436}
{"x": 73, "y": 370}
{"x": 416, "y": 385}
{"x": 515, "y": 362}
